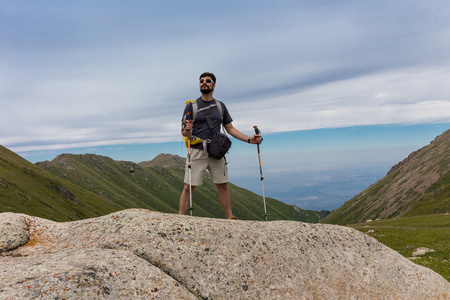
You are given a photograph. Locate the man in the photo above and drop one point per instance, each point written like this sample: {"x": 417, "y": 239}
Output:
{"x": 200, "y": 161}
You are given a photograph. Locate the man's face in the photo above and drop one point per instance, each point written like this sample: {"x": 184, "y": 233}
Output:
{"x": 206, "y": 85}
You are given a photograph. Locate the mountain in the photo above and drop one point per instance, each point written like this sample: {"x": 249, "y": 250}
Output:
{"x": 29, "y": 189}
{"x": 418, "y": 185}
{"x": 157, "y": 185}
{"x": 141, "y": 188}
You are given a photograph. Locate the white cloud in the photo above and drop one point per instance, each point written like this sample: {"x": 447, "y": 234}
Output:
{"x": 396, "y": 97}
{"x": 121, "y": 75}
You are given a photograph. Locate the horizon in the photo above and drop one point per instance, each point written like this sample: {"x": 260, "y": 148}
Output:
{"x": 333, "y": 166}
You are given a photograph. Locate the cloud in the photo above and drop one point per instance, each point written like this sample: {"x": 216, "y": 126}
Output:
{"x": 406, "y": 96}
{"x": 88, "y": 74}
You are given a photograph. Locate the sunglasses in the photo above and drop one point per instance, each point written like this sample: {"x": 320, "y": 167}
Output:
{"x": 206, "y": 80}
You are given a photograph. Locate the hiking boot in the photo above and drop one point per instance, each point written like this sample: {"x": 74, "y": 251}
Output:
{"x": 233, "y": 218}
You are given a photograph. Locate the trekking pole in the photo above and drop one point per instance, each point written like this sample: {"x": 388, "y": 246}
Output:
{"x": 260, "y": 172}
{"x": 189, "y": 167}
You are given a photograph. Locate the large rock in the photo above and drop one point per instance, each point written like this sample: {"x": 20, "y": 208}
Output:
{"x": 143, "y": 254}
{"x": 13, "y": 231}
{"x": 87, "y": 274}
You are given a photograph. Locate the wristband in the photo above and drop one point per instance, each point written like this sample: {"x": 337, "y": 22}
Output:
{"x": 248, "y": 141}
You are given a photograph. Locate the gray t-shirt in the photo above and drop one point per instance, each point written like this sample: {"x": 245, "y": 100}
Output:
{"x": 201, "y": 128}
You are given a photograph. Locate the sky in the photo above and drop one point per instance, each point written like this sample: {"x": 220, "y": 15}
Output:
{"x": 340, "y": 89}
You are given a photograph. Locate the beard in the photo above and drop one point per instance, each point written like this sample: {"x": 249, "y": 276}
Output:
{"x": 205, "y": 89}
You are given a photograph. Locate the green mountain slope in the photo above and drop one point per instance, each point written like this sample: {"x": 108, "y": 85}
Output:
{"x": 25, "y": 188}
{"x": 114, "y": 181}
{"x": 157, "y": 185}
{"x": 418, "y": 185}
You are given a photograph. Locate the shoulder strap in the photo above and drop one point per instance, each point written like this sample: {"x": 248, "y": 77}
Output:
{"x": 219, "y": 107}
{"x": 194, "y": 110}
{"x": 210, "y": 125}
{"x": 218, "y": 104}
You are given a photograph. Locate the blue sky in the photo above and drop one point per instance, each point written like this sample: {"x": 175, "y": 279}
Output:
{"x": 317, "y": 77}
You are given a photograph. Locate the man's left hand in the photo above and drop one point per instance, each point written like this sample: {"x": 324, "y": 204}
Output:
{"x": 255, "y": 139}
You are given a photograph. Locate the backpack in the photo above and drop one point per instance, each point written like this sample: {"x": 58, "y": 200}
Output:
{"x": 195, "y": 110}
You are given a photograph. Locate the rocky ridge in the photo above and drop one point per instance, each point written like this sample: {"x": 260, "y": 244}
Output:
{"x": 141, "y": 254}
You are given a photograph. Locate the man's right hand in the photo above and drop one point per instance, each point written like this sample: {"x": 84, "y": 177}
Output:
{"x": 188, "y": 125}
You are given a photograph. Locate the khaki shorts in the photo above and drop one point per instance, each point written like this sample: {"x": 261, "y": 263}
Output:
{"x": 200, "y": 162}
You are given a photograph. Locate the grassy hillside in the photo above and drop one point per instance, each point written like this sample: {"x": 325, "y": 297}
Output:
{"x": 407, "y": 234}
{"x": 25, "y": 188}
{"x": 418, "y": 185}
{"x": 112, "y": 179}
{"x": 157, "y": 185}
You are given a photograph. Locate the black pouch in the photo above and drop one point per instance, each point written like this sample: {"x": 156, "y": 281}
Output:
{"x": 219, "y": 145}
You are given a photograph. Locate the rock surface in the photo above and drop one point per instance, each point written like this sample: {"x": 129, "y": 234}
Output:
{"x": 421, "y": 251}
{"x": 139, "y": 254}
{"x": 13, "y": 231}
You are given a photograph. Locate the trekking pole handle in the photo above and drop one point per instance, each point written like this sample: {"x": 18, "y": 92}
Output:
{"x": 258, "y": 132}
{"x": 188, "y": 117}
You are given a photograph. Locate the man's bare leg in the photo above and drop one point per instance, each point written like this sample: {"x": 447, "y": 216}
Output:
{"x": 185, "y": 199}
{"x": 224, "y": 199}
